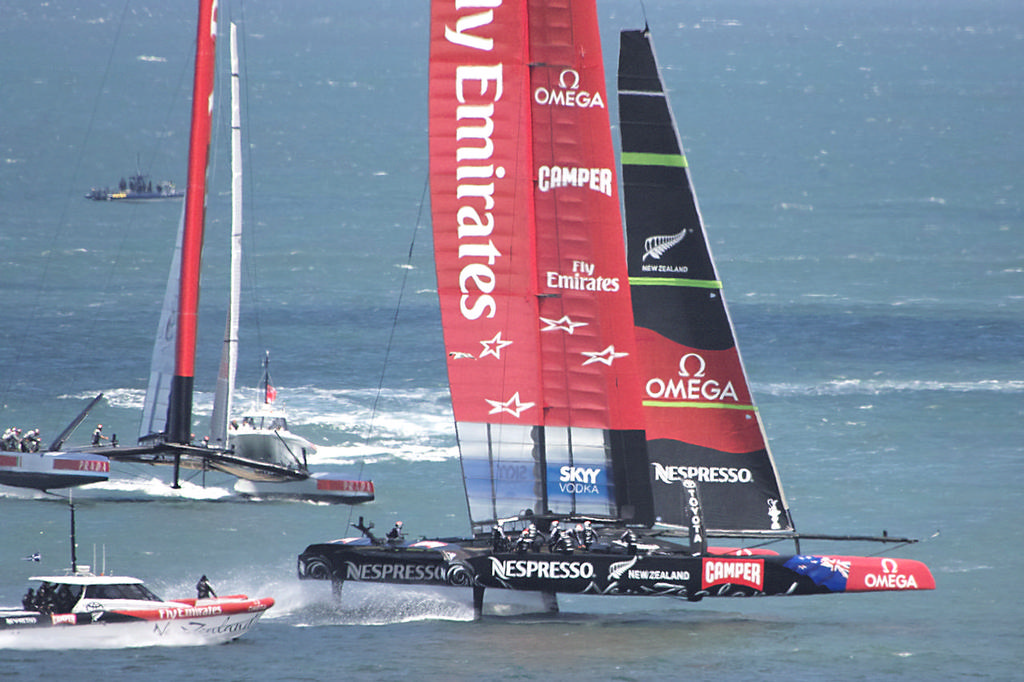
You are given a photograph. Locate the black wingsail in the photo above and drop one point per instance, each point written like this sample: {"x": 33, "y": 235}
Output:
{"x": 702, "y": 425}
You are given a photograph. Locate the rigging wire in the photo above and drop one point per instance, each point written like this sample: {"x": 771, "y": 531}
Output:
{"x": 394, "y": 326}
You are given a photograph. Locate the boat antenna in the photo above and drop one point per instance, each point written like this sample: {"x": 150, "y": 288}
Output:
{"x": 74, "y": 559}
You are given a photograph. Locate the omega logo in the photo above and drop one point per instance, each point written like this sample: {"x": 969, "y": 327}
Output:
{"x": 693, "y": 386}
{"x": 568, "y": 93}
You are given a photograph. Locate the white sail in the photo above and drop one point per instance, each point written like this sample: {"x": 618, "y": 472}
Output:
{"x": 161, "y": 367}
{"x": 229, "y": 352}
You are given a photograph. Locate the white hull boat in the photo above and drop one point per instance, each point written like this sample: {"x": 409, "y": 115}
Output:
{"x": 83, "y": 610}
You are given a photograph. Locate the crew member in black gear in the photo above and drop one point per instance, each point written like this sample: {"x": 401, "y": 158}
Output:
{"x": 628, "y": 538}
{"x": 589, "y": 535}
{"x": 560, "y": 540}
{"x": 499, "y": 541}
{"x": 395, "y": 534}
{"x": 528, "y": 540}
{"x": 204, "y": 590}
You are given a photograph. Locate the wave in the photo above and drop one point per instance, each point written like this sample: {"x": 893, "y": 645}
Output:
{"x": 373, "y": 604}
{"x": 882, "y": 386}
{"x": 371, "y": 453}
{"x": 155, "y": 487}
{"x": 130, "y": 488}
{"x": 392, "y": 419}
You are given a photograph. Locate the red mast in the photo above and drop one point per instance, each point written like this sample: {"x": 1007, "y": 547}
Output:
{"x": 179, "y": 410}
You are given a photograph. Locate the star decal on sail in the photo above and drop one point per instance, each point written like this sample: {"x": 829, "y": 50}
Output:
{"x": 513, "y": 405}
{"x": 494, "y": 346}
{"x": 607, "y": 356}
{"x": 564, "y": 324}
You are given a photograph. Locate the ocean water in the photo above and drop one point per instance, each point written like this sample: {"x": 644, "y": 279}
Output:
{"x": 858, "y": 164}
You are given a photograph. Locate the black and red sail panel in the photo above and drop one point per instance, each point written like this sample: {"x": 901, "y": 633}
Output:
{"x": 700, "y": 418}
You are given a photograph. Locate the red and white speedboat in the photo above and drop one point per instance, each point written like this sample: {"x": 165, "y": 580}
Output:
{"x": 85, "y": 610}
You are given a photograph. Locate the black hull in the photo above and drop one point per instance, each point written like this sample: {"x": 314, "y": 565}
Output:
{"x": 666, "y": 571}
{"x": 43, "y": 481}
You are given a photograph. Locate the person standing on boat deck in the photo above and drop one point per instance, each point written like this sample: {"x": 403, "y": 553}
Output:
{"x": 529, "y": 539}
{"x": 64, "y": 600}
{"x": 499, "y": 541}
{"x": 555, "y": 533}
{"x": 12, "y": 439}
{"x": 44, "y": 598}
{"x": 204, "y": 590}
{"x": 560, "y": 540}
{"x": 628, "y": 538}
{"x": 394, "y": 535}
{"x": 97, "y": 435}
{"x": 589, "y": 535}
{"x": 578, "y": 536}
{"x": 30, "y": 443}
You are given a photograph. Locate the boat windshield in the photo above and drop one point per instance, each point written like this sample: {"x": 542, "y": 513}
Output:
{"x": 53, "y": 598}
{"x": 136, "y": 592}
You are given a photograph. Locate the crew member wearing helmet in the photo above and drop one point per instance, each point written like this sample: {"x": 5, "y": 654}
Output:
{"x": 560, "y": 540}
{"x": 529, "y": 539}
{"x": 97, "y": 435}
{"x": 589, "y": 536}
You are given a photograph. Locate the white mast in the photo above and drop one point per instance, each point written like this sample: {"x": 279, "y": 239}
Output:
{"x": 229, "y": 352}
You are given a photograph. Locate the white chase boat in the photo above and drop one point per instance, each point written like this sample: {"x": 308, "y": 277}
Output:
{"x": 85, "y": 610}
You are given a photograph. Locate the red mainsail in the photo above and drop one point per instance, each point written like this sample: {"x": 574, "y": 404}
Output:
{"x": 528, "y": 241}
{"x": 527, "y": 228}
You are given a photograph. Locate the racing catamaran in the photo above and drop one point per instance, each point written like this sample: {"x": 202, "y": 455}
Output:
{"x": 263, "y": 454}
{"x": 605, "y": 410}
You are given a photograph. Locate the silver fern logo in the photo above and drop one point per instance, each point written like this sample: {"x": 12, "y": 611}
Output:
{"x": 616, "y": 570}
{"x": 656, "y": 246}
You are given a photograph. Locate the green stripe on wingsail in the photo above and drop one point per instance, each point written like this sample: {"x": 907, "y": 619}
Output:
{"x": 646, "y": 159}
{"x": 675, "y": 282}
{"x": 708, "y": 406}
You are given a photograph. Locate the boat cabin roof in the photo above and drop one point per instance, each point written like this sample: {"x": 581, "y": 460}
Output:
{"x": 87, "y": 579}
{"x": 264, "y": 411}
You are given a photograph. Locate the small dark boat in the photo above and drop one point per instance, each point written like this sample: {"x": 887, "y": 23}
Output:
{"x": 138, "y": 187}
